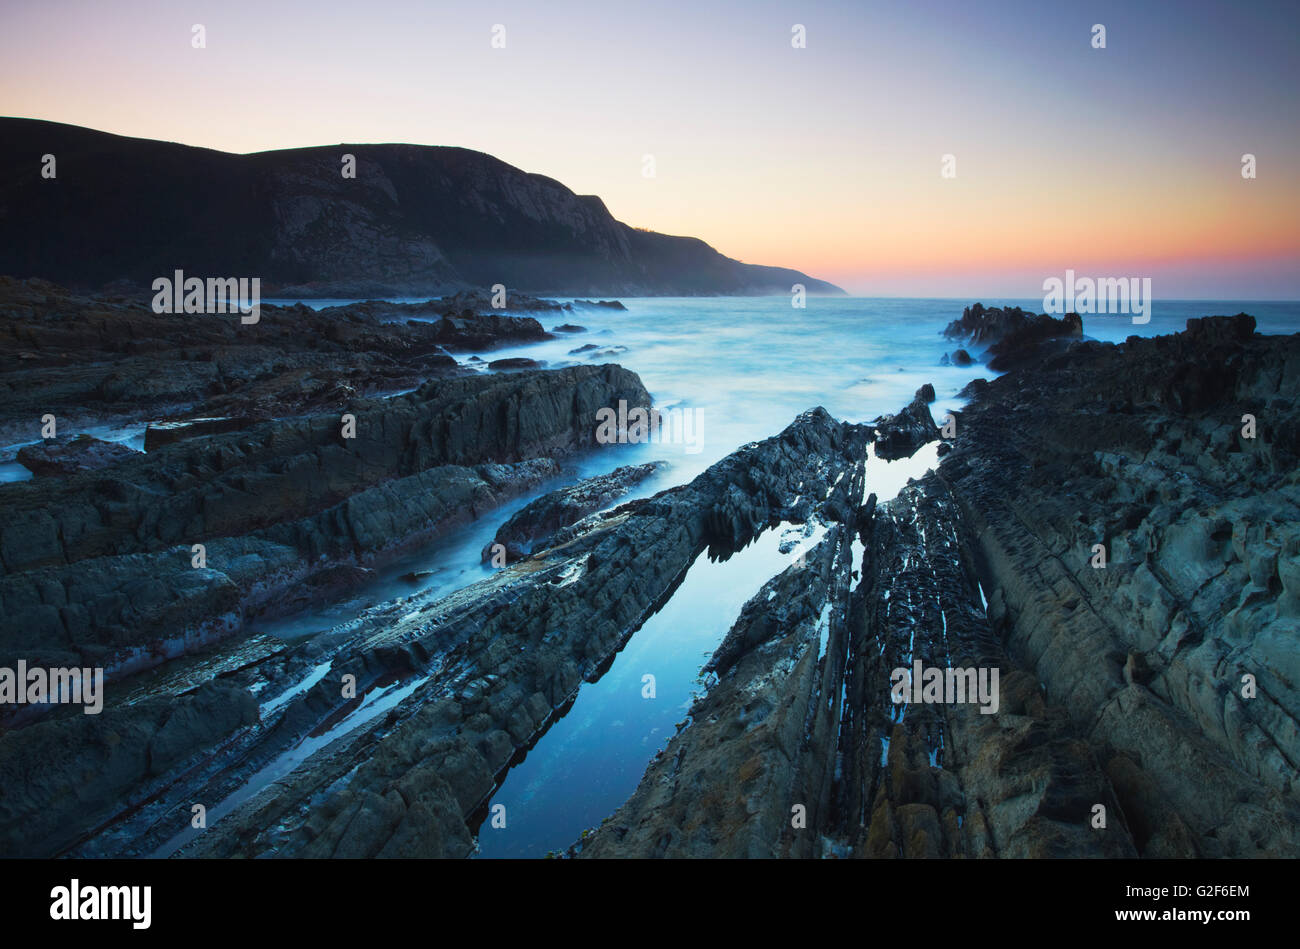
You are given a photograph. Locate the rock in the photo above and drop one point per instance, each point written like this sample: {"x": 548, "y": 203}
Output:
{"x": 899, "y": 436}
{"x": 114, "y": 363}
{"x": 164, "y": 433}
{"x": 802, "y": 709}
{"x": 568, "y": 328}
{"x": 607, "y": 304}
{"x": 78, "y": 769}
{"x": 1136, "y": 448}
{"x": 1213, "y": 330}
{"x": 1012, "y": 337}
{"x": 69, "y": 454}
{"x": 1040, "y": 338}
{"x": 961, "y": 358}
{"x": 524, "y": 640}
{"x": 470, "y": 331}
{"x": 481, "y": 301}
{"x": 1118, "y": 686}
{"x": 534, "y": 526}
{"x": 984, "y": 326}
{"x": 514, "y": 362}
{"x": 925, "y": 393}
{"x": 586, "y": 348}
{"x": 274, "y": 505}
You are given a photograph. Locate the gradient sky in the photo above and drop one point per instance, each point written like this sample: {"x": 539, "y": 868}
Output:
{"x": 1117, "y": 162}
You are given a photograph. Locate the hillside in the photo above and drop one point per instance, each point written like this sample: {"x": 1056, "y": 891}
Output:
{"x": 416, "y": 219}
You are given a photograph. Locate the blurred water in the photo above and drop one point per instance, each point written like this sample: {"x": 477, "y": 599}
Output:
{"x": 590, "y": 760}
{"x": 751, "y": 364}
{"x": 748, "y": 366}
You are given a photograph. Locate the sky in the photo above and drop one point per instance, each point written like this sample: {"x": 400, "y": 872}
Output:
{"x": 1116, "y": 161}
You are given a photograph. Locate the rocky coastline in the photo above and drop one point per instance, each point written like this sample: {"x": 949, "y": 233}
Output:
{"x": 1160, "y": 684}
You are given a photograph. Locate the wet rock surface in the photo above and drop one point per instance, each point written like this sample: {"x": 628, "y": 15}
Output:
{"x": 479, "y": 674}
{"x": 514, "y": 362}
{"x": 1011, "y": 337}
{"x": 43, "y": 811}
{"x": 900, "y": 435}
{"x": 799, "y": 750}
{"x": 89, "y": 360}
{"x": 1140, "y": 448}
{"x": 537, "y": 524}
{"x": 483, "y": 301}
{"x": 101, "y": 565}
{"x": 65, "y": 455}
{"x": 164, "y": 433}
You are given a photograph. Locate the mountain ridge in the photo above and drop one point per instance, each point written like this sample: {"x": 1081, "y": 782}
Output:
{"x": 416, "y": 219}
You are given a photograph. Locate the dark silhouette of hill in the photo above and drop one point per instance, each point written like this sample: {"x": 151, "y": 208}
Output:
{"x": 416, "y": 219}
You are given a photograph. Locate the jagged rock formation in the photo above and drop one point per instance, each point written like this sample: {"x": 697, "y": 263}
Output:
{"x": 537, "y": 524}
{"x": 1011, "y": 337}
{"x": 165, "y": 433}
{"x": 607, "y": 304}
{"x": 484, "y": 672}
{"x": 799, "y": 750}
{"x": 901, "y": 434}
{"x": 47, "y": 802}
{"x": 91, "y": 360}
{"x": 100, "y": 570}
{"x": 414, "y": 220}
{"x": 1139, "y": 448}
{"x": 1122, "y": 689}
{"x": 68, "y": 454}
